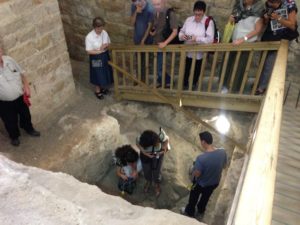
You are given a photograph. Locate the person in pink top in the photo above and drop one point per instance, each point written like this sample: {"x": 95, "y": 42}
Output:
{"x": 194, "y": 32}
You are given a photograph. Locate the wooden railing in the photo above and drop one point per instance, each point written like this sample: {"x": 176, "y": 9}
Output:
{"x": 254, "y": 195}
{"x": 141, "y": 62}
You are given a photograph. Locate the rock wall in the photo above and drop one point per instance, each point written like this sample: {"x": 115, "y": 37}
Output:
{"x": 34, "y": 196}
{"x": 77, "y": 18}
{"x": 32, "y": 33}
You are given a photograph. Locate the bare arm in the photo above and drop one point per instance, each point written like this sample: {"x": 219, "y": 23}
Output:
{"x": 259, "y": 25}
{"x": 26, "y": 87}
{"x": 290, "y": 22}
{"x": 103, "y": 47}
{"x": 196, "y": 173}
{"x": 169, "y": 39}
{"x": 138, "y": 9}
{"x": 146, "y": 33}
{"x": 144, "y": 152}
{"x": 121, "y": 174}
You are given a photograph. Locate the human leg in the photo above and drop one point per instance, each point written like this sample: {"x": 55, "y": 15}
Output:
{"x": 25, "y": 117}
{"x": 197, "y": 71}
{"x": 267, "y": 70}
{"x": 159, "y": 67}
{"x": 206, "y": 193}
{"x": 9, "y": 117}
{"x": 188, "y": 63}
{"x": 193, "y": 199}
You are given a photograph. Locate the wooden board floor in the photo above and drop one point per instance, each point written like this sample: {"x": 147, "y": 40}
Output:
{"x": 286, "y": 205}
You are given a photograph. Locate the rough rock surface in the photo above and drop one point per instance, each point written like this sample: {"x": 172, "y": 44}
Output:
{"x": 34, "y": 196}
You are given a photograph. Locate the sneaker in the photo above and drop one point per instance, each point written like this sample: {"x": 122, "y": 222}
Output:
{"x": 15, "y": 142}
{"x": 34, "y": 133}
{"x": 224, "y": 90}
{"x": 182, "y": 211}
{"x": 199, "y": 216}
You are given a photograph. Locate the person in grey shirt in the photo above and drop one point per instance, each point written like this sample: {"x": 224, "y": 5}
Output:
{"x": 206, "y": 174}
{"x": 14, "y": 94}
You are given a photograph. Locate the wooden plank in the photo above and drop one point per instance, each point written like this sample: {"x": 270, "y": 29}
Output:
{"x": 203, "y": 65}
{"x": 220, "y": 47}
{"x": 258, "y": 72}
{"x": 115, "y": 75}
{"x": 139, "y": 63}
{"x": 236, "y": 64}
{"x": 124, "y": 67}
{"x": 164, "y": 63}
{"x": 131, "y": 62}
{"x": 172, "y": 70}
{"x": 216, "y": 102}
{"x": 224, "y": 67}
{"x": 155, "y": 70}
{"x": 213, "y": 71}
{"x": 245, "y": 77}
{"x": 283, "y": 188}
{"x": 192, "y": 69}
{"x": 285, "y": 216}
{"x": 147, "y": 68}
{"x": 181, "y": 73}
{"x": 274, "y": 222}
{"x": 287, "y": 203}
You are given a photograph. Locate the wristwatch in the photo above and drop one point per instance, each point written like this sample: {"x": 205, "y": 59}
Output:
{"x": 245, "y": 38}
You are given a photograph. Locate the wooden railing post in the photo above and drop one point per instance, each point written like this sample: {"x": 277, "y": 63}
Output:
{"x": 115, "y": 74}
{"x": 181, "y": 73}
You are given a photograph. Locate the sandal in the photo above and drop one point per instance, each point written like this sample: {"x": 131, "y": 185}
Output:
{"x": 99, "y": 95}
{"x": 104, "y": 91}
{"x": 157, "y": 191}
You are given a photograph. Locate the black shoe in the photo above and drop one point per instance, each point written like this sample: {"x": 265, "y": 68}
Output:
{"x": 34, "y": 133}
{"x": 15, "y": 142}
{"x": 99, "y": 95}
{"x": 104, "y": 91}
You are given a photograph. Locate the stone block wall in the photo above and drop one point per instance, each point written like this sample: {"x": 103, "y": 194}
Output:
{"x": 77, "y": 17}
{"x": 32, "y": 33}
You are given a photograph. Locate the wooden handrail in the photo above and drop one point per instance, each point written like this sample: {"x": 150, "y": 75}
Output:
{"x": 256, "y": 198}
{"x": 220, "y": 47}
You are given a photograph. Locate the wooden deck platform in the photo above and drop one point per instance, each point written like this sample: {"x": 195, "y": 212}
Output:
{"x": 286, "y": 205}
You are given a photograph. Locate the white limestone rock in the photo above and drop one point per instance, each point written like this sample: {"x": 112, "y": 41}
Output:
{"x": 34, "y": 196}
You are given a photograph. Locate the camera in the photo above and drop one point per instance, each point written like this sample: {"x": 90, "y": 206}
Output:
{"x": 189, "y": 37}
{"x": 269, "y": 11}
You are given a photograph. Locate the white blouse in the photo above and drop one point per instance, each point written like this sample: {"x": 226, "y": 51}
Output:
{"x": 244, "y": 27}
{"x": 93, "y": 41}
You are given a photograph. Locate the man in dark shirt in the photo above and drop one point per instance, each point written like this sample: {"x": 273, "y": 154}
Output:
{"x": 206, "y": 174}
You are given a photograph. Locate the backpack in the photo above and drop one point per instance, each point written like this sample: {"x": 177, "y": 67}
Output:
{"x": 216, "y": 31}
{"x": 167, "y": 29}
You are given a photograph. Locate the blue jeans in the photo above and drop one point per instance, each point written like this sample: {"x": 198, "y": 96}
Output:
{"x": 159, "y": 69}
{"x": 267, "y": 70}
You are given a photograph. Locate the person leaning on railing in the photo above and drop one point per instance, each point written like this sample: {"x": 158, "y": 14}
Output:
{"x": 194, "y": 32}
{"x": 141, "y": 18}
{"x": 248, "y": 25}
{"x": 158, "y": 26}
{"x": 280, "y": 17}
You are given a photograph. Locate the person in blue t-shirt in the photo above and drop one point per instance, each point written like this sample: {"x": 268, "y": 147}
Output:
{"x": 206, "y": 174}
{"x": 141, "y": 19}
